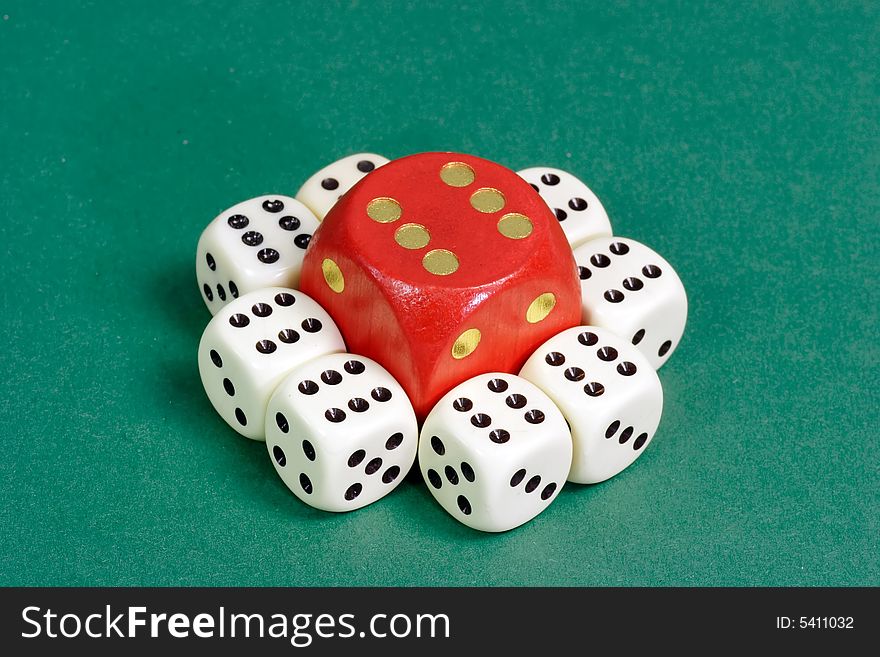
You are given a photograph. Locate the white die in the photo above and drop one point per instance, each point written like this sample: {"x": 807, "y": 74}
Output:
{"x": 258, "y": 243}
{"x": 579, "y": 211}
{"x": 324, "y": 188}
{"x": 341, "y": 432}
{"x": 495, "y": 451}
{"x": 608, "y": 392}
{"x": 630, "y": 289}
{"x": 252, "y": 343}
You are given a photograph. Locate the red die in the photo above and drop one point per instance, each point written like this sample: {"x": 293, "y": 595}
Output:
{"x": 442, "y": 266}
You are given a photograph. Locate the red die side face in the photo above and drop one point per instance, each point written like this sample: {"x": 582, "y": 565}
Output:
{"x": 442, "y": 266}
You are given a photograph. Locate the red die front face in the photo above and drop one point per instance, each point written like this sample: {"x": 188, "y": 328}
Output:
{"x": 442, "y": 266}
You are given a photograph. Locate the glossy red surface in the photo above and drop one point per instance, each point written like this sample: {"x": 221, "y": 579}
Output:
{"x": 396, "y": 311}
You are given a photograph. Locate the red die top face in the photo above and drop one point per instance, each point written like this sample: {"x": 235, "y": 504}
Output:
{"x": 441, "y": 266}
{"x": 436, "y": 224}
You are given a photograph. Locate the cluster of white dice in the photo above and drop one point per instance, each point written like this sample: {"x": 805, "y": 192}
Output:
{"x": 496, "y": 450}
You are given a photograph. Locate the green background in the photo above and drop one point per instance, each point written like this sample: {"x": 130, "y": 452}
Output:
{"x": 741, "y": 143}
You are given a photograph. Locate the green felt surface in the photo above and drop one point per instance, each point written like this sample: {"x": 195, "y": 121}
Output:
{"x": 741, "y": 143}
